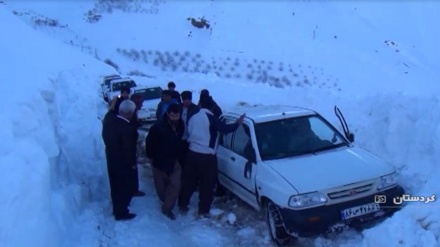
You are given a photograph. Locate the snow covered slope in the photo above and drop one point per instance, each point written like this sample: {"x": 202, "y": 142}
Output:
{"x": 377, "y": 61}
{"x": 50, "y": 153}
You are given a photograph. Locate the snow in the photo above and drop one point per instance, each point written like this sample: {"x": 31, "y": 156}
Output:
{"x": 377, "y": 61}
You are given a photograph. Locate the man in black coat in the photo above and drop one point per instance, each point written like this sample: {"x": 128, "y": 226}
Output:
{"x": 125, "y": 94}
{"x": 120, "y": 150}
{"x": 164, "y": 149}
{"x": 216, "y": 110}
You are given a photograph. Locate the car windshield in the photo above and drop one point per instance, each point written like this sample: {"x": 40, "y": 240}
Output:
{"x": 109, "y": 79}
{"x": 117, "y": 86}
{"x": 296, "y": 136}
{"x": 150, "y": 93}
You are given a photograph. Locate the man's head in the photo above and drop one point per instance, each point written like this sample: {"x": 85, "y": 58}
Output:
{"x": 173, "y": 114}
{"x": 138, "y": 99}
{"x": 186, "y": 98}
{"x": 166, "y": 95}
{"x": 127, "y": 109}
{"x": 204, "y": 92}
{"x": 125, "y": 92}
{"x": 207, "y": 102}
{"x": 171, "y": 86}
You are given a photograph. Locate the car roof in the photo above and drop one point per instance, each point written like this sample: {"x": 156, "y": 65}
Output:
{"x": 266, "y": 113}
{"x": 121, "y": 80}
{"x": 142, "y": 87}
{"x": 112, "y": 76}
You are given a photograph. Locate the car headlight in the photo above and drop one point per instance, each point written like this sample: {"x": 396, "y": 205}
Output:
{"x": 387, "y": 181}
{"x": 313, "y": 199}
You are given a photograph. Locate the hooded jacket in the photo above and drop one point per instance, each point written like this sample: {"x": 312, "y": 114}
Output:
{"x": 203, "y": 130}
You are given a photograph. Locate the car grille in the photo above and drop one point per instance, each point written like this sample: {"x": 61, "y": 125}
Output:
{"x": 353, "y": 191}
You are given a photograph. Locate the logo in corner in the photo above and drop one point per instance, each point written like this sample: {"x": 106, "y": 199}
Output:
{"x": 380, "y": 199}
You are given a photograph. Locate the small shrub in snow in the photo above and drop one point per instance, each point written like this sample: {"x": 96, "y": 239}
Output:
{"x": 138, "y": 73}
{"x": 174, "y": 67}
{"x": 227, "y": 75}
{"x": 111, "y": 63}
{"x": 92, "y": 16}
{"x": 135, "y": 54}
{"x": 44, "y": 21}
{"x": 249, "y": 77}
{"x": 220, "y": 68}
{"x": 199, "y": 23}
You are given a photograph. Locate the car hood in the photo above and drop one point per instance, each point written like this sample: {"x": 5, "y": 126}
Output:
{"x": 330, "y": 169}
{"x": 150, "y": 104}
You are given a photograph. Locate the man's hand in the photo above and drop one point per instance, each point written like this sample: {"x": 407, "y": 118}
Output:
{"x": 241, "y": 119}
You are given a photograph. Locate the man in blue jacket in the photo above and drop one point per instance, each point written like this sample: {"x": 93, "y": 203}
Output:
{"x": 201, "y": 161}
{"x": 162, "y": 107}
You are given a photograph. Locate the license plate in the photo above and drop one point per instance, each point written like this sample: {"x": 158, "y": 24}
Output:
{"x": 359, "y": 210}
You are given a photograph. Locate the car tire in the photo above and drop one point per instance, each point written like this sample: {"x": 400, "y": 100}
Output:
{"x": 275, "y": 224}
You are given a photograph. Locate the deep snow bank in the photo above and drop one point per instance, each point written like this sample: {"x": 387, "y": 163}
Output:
{"x": 50, "y": 151}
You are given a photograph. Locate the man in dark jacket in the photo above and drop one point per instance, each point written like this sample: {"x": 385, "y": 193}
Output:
{"x": 164, "y": 148}
{"x": 216, "y": 110}
{"x": 201, "y": 161}
{"x": 174, "y": 94}
{"x": 125, "y": 94}
{"x": 120, "y": 150}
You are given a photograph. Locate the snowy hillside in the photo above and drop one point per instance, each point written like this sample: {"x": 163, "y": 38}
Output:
{"x": 377, "y": 61}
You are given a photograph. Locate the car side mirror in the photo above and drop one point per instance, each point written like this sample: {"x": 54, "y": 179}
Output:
{"x": 350, "y": 137}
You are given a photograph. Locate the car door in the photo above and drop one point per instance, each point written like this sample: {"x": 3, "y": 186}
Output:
{"x": 223, "y": 157}
{"x": 242, "y": 162}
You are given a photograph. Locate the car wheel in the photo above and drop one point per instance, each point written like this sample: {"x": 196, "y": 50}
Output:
{"x": 275, "y": 223}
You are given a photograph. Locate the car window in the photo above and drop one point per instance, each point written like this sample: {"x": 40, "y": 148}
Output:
{"x": 150, "y": 93}
{"x": 296, "y": 136}
{"x": 242, "y": 141}
{"x": 322, "y": 131}
{"x": 226, "y": 140}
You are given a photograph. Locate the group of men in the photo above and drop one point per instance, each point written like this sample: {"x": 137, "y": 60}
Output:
{"x": 181, "y": 147}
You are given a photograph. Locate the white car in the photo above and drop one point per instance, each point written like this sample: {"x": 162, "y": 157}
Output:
{"x": 306, "y": 176}
{"x": 117, "y": 84}
{"x": 152, "y": 96}
{"x": 105, "y": 85}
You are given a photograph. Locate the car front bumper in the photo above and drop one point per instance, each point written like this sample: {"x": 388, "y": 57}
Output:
{"x": 324, "y": 219}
